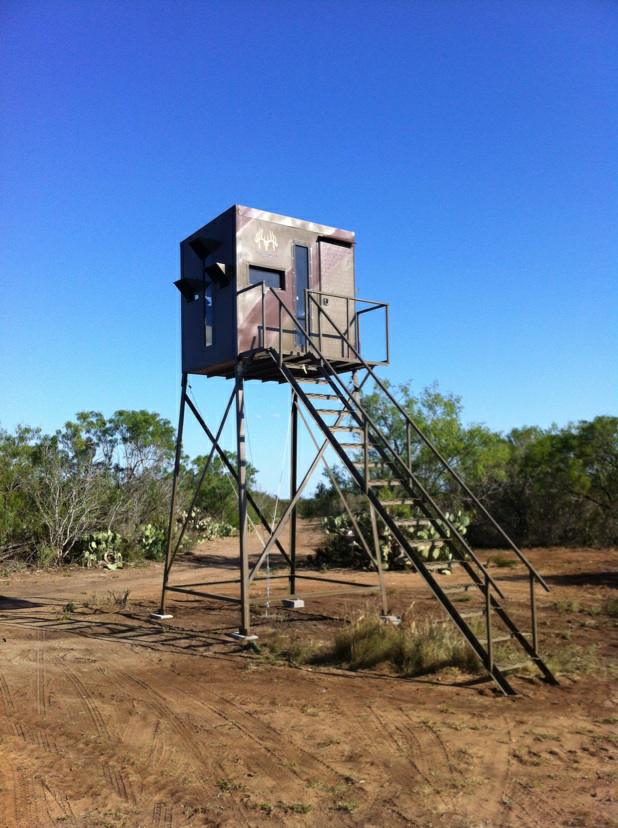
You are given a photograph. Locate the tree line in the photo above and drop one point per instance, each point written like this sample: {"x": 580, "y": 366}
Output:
{"x": 101, "y": 482}
{"x": 545, "y": 486}
{"x": 101, "y": 486}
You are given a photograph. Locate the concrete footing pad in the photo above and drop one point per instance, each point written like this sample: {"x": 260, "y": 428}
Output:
{"x": 238, "y": 636}
{"x": 292, "y": 603}
{"x": 160, "y": 616}
{"x": 395, "y": 620}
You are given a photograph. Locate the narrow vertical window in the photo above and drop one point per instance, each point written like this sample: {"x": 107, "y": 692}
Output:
{"x": 301, "y": 282}
{"x": 209, "y": 315}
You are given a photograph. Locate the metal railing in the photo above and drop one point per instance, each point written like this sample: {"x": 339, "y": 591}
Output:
{"x": 277, "y": 332}
{"x": 411, "y": 426}
{"x": 364, "y": 420}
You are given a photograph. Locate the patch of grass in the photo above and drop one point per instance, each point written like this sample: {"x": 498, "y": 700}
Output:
{"x": 609, "y": 720}
{"x": 414, "y": 648}
{"x": 575, "y": 607}
{"x": 546, "y": 737}
{"x": 574, "y": 661}
{"x": 291, "y": 650}
{"x": 566, "y": 606}
{"x": 69, "y": 607}
{"x": 502, "y": 562}
{"x": 120, "y": 600}
{"x": 295, "y": 807}
{"x": 229, "y": 786}
{"x": 93, "y": 603}
{"x": 610, "y": 607}
{"x": 347, "y": 806}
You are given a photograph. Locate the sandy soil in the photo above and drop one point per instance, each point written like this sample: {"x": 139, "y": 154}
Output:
{"x": 108, "y": 719}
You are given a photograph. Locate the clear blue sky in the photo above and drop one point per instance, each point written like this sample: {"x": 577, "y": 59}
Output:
{"x": 472, "y": 146}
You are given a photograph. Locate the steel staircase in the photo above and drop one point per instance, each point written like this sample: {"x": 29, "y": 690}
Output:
{"x": 403, "y": 502}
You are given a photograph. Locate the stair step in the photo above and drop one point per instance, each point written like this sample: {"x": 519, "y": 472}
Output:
{"x": 350, "y": 429}
{"x": 384, "y": 482}
{"x": 499, "y": 639}
{"x": 431, "y": 565}
{"x": 455, "y": 589}
{"x": 329, "y": 411}
{"x": 472, "y": 614}
{"x": 510, "y": 668}
{"x": 401, "y": 501}
{"x": 413, "y": 522}
{"x": 370, "y": 465}
{"x": 438, "y": 542}
{"x": 322, "y": 396}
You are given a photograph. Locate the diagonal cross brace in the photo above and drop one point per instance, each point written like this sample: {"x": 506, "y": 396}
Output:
{"x": 290, "y": 507}
{"x": 200, "y": 482}
{"x": 232, "y": 471}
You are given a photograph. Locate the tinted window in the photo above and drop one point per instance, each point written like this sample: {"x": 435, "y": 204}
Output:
{"x": 301, "y": 268}
{"x": 271, "y": 278}
{"x": 209, "y": 315}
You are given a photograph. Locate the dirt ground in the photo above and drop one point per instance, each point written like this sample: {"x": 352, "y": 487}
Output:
{"x": 109, "y": 719}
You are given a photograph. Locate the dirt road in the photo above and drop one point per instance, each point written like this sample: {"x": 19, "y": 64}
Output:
{"x": 108, "y": 719}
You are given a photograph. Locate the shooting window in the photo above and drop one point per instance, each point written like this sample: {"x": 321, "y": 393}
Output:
{"x": 209, "y": 315}
{"x": 271, "y": 278}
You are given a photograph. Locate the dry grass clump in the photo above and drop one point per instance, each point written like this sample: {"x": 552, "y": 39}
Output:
{"x": 414, "y": 648}
{"x": 610, "y": 607}
{"x": 574, "y": 661}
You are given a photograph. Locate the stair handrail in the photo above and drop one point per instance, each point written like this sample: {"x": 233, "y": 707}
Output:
{"x": 435, "y": 451}
{"x": 352, "y": 402}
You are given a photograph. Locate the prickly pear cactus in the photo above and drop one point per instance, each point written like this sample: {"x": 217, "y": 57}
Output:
{"x": 102, "y": 549}
{"x": 343, "y": 549}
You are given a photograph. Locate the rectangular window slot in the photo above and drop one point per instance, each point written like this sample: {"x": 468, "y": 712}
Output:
{"x": 271, "y": 278}
{"x": 209, "y": 315}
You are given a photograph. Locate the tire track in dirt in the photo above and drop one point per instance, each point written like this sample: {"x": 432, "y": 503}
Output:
{"x": 494, "y": 769}
{"x": 40, "y": 679}
{"x": 61, "y": 803}
{"x": 163, "y": 708}
{"x": 26, "y": 801}
{"x": 454, "y": 772}
{"x": 7, "y": 698}
{"x": 122, "y": 786}
{"x": 89, "y": 704}
{"x": 38, "y": 738}
{"x": 428, "y": 745}
{"x": 266, "y": 733}
{"x": 178, "y": 726}
{"x": 7, "y": 781}
{"x": 120, "y": 782}
{"x": 397, "y": 738}
{"x": 157, "y": 746}
{"x": 161, "y": 815}
{"x": 386, "y": 781}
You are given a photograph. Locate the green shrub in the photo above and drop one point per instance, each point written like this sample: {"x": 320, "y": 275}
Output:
{"x": 202, "y": 527}
{"x": 152, "y": 542}
{"x": 46, "y": 556}
{"x": 101, "y": 549}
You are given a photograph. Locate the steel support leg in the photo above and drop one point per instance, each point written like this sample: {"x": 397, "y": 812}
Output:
{"x": 378, "y": 554}
{"x": 245, "y": 607}
{"x": 170, "y": 524}
{"x": 293, "y": 489}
